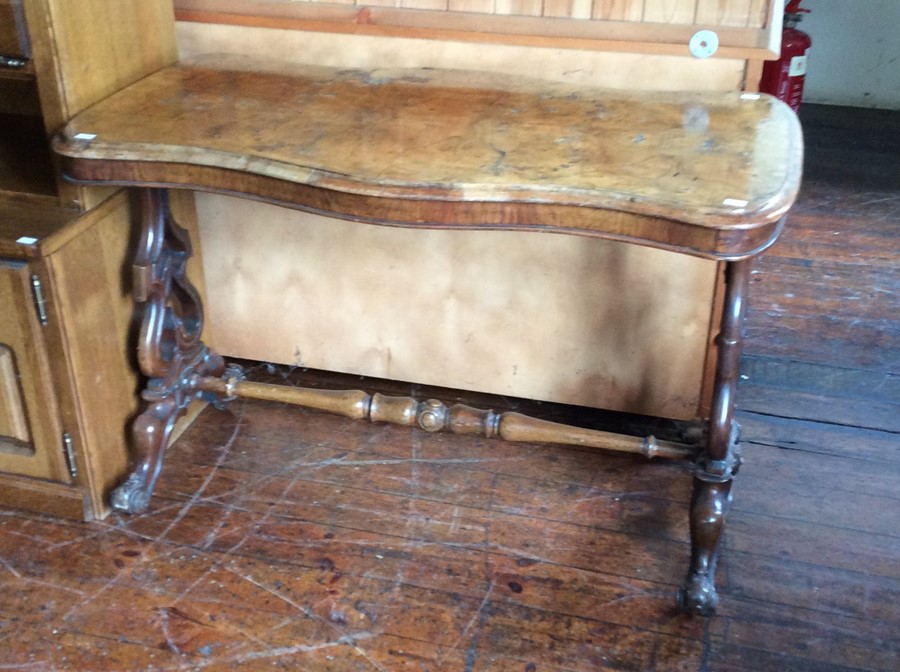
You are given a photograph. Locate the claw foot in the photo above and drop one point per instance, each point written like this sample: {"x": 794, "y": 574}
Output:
{"x": 132, "y": 496}
{"x": 698, "y": 597}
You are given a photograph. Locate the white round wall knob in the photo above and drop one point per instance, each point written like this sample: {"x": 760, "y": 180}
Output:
{"x": 703, "y": 44}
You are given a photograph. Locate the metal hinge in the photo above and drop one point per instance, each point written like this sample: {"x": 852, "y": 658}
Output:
{"x": 39, "y": 301}
{"x": 69, "y": 452}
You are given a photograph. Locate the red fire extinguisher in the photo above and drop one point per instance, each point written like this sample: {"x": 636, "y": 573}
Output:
{"x": 784, "y": 78}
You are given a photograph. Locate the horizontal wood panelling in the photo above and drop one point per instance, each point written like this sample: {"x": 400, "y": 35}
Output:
{"x": 742, "y": 13}
{"x": 660, "y": 26}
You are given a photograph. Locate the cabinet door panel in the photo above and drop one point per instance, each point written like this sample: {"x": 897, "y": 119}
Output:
{"x": 30, "y": 433}
{"x": 14, "y": 433}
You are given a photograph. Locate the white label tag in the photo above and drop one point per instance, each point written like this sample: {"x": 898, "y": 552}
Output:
{"x": 798, "y": 66}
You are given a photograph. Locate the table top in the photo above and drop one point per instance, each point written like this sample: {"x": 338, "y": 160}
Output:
{"x": 710, "y": 174}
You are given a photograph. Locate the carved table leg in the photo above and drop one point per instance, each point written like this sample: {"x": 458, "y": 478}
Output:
{"x": 718, "y": 464}
{"x": 170, "y": 352}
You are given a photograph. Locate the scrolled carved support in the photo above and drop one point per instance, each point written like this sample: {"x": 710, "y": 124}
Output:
{"x": 170, "y": 352}
{"x": 717, "y": 464}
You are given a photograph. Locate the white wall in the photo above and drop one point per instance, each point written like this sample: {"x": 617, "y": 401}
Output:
{"x": 855, "y": 57}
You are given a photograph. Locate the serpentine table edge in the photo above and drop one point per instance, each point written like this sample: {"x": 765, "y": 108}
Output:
{"x": 710, "y": 175}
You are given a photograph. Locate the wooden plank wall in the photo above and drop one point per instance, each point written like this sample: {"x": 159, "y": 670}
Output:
{"x": 745, "y": 28}
{"x": 737, "y": 13}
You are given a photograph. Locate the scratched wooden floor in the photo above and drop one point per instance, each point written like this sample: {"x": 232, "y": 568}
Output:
{"x": 284, "y": 539}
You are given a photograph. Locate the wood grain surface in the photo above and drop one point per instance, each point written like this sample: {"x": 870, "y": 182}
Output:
{"x": 713, "y": 173}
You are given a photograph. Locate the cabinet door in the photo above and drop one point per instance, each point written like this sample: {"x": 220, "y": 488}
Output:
{"x": 31, "y": 439}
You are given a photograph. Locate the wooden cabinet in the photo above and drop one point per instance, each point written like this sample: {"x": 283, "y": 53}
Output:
{"x": 67, "y": 385}
{"x": 67, "y": 388}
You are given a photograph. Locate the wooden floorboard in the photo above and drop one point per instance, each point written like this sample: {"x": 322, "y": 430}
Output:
{"x": 286, "y": 539}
